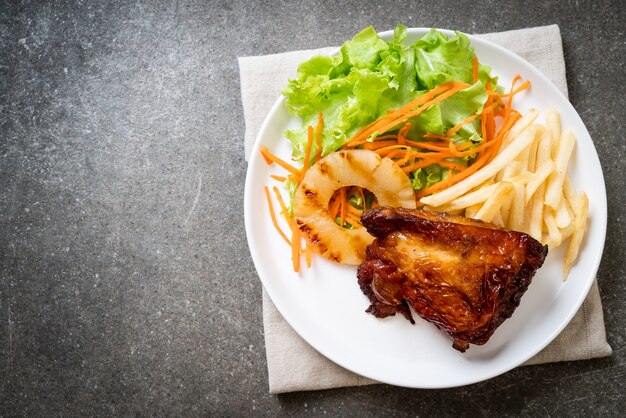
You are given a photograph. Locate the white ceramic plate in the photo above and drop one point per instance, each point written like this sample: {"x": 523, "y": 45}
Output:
{"x": 326, "y": 307}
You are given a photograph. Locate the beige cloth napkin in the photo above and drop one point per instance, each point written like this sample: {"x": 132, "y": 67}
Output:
{"x": 292, "y": 364}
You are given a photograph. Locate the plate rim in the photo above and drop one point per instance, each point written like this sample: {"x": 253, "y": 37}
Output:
{"x": 601, "y": 206}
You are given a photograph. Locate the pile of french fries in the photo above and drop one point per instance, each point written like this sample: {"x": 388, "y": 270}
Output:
{"x": 526, "y": 187}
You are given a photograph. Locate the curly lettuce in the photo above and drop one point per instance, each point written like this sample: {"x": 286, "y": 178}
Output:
{"x": 370, "y": 76}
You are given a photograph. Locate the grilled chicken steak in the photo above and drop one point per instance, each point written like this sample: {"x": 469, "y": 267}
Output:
{"x": 463, "y": 275}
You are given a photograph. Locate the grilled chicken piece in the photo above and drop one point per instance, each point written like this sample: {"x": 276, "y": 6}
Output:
{"x": 463, "y": 275}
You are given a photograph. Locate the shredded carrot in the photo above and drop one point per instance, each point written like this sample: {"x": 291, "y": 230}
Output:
{"x": 366, "y": 143}
{"x": 450, "y": 180}
{"x": 490, "y": 146}
{"x": 402, "y": 132}
{"x": 318, "y": 136}
{"x": 344, "y": 202}
{"x": 295, "y": 232}
{"x": 435, "y": 136}
{"x": 271, "y": 158}
{"x": 465, "y": 121}
{"x": 423, "y": 163}
{"x": 295, "y": 248}
{"x": 452, "y": 165}
{"x": 273, "y": 216}
{"x": 372, "y": 146}
{"x": 385, "y": 150}
{"x": 362, "y": 195}
{"x": 334, "y": 205}
{"x": 408, "y": 111}
{"x": 307, "y": 152}
{"x": 394, "y": 122}
{"x": 432, "y": 146}
{"x": 307, "y": 255}
{"x": 388, "y": 137}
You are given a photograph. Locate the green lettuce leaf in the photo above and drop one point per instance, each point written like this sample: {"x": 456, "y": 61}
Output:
{"x": 370, "y": 76}
{"x": 427, "y": 176}
{"x": 440, "y": 59}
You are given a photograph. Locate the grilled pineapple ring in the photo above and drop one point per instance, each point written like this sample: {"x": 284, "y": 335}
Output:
{"x": 381, "y": 176}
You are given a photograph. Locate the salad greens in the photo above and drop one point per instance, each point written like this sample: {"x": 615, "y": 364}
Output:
{"x": 370, "y": 76}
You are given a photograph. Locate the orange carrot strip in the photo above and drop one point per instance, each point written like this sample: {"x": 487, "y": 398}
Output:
{"x": 273, "y": 216}
{"x": 423, "y": 163}
{"x": 273, "y": 158}
{"x": 295, "y": 248}
{"x": 523, "y": 86}
{"x": 362, "y": 196}
{"x": 354, "y": 211}
{"x": 365, "y": 143}
{"x": 457, "y": 153}
{"x": 318, "y": 136}
{"x": 295, "y": 232}
{"x": 493, "y": 147}
{"x": 372, "y": 146}
{"x": 455, "y": 178}
{"x": 333, "y": 208}
{"x": 344, "y": 202}
{"x": 307, "y": 255}
{"x": 396, "y": 117}
{"x": 402, "y": 132}
{"x": 430, "y": 94}
{"x": 467, "y": 120}
{"x": 307, "y": 152}
{"x": 452, "y": 165}
{"x": 443, "y": 154}
{"x": 394, "y": 122}
{"x": 354, "y": 220}
{"x": 432, "y": 146}
{"x": 384, "y": 150}
{"x": 434, "y": 136}
{"x": 278, "y": 178}
{"x": 283, "y": 207}
{"x": 406, "y": 158}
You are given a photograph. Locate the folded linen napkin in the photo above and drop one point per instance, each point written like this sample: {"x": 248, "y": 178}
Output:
{"x": 293, "y": 365}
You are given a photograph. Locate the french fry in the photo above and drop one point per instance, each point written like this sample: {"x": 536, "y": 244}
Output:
{"x": 580, "y": 224}
{"x": 532, "y": 157}
{"x": 535, "y": 226}
{"x": 553, "y": 231}
{"x": 535, "y": 189}
{"x": 554, "y": 187}
{"x": 553, "y": 125}
{"x": 477, "y": 196}
{"x": 528, "y": 157}
{"x": 568, "y": 231}
{"x": 471, "y": 211}
{"x": 538, "y": 178}
{"x": 516, "y": 215}
{"x": 512, "y": 170}
{"x": 505, "y": 210}
{"x": 570, "y": 193}
{"x": 497, "y": 219}
{"x": 520, "y": 126}
{"x": 492, "y": 206}
{"x": 526, "y": 187}
{"x": 544, "y": 150}
{"x": 563, "y": 218}
{"x": 505, "y": 156}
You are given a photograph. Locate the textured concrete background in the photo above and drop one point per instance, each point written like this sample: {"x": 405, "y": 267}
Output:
{"x": 126, "y": 286}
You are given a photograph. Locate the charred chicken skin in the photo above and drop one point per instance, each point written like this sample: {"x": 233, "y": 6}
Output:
{"x": 463, "y": 275}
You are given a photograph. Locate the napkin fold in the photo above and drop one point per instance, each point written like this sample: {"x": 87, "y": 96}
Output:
{"x": 292, "y": 364}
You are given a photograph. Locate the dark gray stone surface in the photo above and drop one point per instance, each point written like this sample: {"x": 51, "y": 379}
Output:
{"x": 126, "y": 286}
